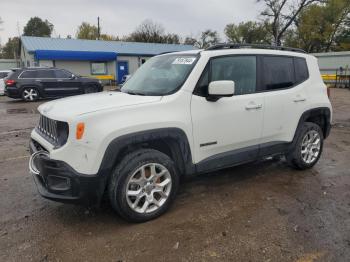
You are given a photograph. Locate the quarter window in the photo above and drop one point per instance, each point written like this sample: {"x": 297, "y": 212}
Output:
{"x": 278, "y": 72}
{"x": 301, "y": 71}
{"x": 98, "y": 68}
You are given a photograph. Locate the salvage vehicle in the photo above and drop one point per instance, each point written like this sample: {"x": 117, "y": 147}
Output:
{"x": 3, "y": 75}
{"x": 180, "y": 114}
{"x": 33, "y": 83}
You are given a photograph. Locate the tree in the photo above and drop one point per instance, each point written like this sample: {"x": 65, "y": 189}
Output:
{"x": 151, "y": 32}
{"x": 10, "y": 49}
{"x": 248, "y": 32}
{"x": 38, "y": 27}
{"x": 281, "y": 14}
{"x": 87, "y": 31}
{"x": 322, "y": 35}
{"x": 189, "y": 40}
{"x": 207, "y": 38}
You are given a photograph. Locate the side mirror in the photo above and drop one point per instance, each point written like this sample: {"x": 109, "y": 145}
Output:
{"x": 218, "y": 89}
{"x": 72, "y": 76}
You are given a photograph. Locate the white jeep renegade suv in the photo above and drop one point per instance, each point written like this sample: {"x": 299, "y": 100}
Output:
{"x": 180, "y": 114}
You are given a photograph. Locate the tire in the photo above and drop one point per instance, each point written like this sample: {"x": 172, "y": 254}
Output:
{"x": 90, "y": 89}
{"x": 127, "y": 176}
{"x": 307, "y": 150}
{"x": 30, "y": 94}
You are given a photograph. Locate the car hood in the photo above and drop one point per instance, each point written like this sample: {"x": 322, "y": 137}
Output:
{"x": 62, "y": 109}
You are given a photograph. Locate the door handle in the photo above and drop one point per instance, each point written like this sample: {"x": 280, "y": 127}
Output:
{"x": 299, "y": 99}
{"x": 253, "y": 106}
{"x": 59, "y": 80}
{"x": 38, "y": 80}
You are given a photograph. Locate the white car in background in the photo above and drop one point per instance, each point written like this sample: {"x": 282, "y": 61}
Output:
{"x": 3, "y": 75}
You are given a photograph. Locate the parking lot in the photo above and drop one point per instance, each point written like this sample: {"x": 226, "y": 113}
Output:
{"x": 258, "y": 212}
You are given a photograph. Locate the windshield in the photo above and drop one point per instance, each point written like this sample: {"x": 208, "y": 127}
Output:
{"x": 161, "y": 75}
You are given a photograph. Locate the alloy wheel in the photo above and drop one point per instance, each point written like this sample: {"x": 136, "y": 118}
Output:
{"x": 310, "y": 146}
{"x": 148, "y": 188}
{"x": 30, "y": 94}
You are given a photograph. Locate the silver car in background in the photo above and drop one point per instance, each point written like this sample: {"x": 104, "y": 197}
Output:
{"x": 3, "y": 75}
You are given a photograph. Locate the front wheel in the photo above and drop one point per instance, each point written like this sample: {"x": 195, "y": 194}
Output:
{"x": 30, "y": 94}
{"x": 143, "y": 185}
{"x": 308, "y": 147}
{"x": 90, "y": 89}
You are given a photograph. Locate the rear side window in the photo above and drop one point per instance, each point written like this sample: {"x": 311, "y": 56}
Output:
{"x": 45, "y": 74}
{"x": 301, "y": 70}
{"x": 278, "y": 72}
{"x": 28, "y": 74}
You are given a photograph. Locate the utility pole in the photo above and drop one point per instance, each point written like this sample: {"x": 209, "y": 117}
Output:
{"x": 98, "y": 28}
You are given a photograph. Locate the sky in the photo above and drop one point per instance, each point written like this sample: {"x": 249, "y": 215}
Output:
{"x": 121, "y": 17}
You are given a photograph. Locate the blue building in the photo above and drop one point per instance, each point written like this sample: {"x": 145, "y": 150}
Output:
{"x": 106, "y": 60}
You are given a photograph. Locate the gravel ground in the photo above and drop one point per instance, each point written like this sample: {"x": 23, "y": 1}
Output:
{"x": 258, "y": 212}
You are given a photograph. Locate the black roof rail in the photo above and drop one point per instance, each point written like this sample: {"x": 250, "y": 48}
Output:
{"x": 255, "y": 46}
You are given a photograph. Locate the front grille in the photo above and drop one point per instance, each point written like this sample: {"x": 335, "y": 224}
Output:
{"x": 48, "y": 129}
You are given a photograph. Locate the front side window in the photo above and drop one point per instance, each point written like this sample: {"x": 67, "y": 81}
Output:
{"x": 160, "y": 75}
{"x": 240, "y": 69}
{"x": 278, "y": 72}
{"x": 98, "y": 68}
{"x": 62, "y": 74}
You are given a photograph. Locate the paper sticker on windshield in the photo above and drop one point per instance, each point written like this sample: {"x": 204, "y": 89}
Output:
{"x": 184, "y": 61}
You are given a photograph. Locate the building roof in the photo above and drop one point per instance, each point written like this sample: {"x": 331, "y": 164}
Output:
{"x": 31, "y": 44}
{"x": 341, "y": 53}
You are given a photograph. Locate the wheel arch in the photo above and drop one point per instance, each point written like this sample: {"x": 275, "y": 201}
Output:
{"x": 170, "y": 141}
{"x": 320, "y": 116}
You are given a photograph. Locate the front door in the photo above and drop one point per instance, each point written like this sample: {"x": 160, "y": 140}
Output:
{"x": 227, "y": 131}
{"x": 67, "y": 84}
{"x": 122, "y": 69}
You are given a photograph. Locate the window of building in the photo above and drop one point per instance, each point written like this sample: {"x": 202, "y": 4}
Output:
{"x": 98, "y": 68}
{"x": 301, "y": 71}
{"x": 278, "y": 72}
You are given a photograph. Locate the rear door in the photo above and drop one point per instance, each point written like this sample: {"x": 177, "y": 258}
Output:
{"x": 284, "y": 80}
{"x": 227, "y": 131}
{"x": 66, "y": 83}
{"x": 47, "y": 80}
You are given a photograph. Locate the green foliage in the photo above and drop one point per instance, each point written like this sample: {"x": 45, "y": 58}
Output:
{"x": 87, "y": 31}
{"x": 324, "y": 27}
{"x": 151, "y": 32}
{"x": 38, "y": 27}
{"x": 10, "y": 49}
{"x": 248, "y": 32}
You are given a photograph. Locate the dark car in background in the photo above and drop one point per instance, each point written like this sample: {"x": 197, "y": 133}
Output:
{"x": 31, "y": 84}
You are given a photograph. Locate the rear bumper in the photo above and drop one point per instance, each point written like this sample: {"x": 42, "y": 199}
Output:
{"x": 58, "y": 181}
{"x": 12, "y": 92}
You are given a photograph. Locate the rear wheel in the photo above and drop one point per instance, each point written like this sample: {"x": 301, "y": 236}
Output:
{"x": 143, "y": 185}
{"x": 308, "y": 147}
{"x": 30, "y": 94}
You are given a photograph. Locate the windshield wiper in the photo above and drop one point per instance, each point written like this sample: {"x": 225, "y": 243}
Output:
{"x": 135, "y": 93}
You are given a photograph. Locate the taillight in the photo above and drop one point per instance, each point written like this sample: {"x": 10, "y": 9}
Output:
{"x": 328, "y": 92}
{"x": 10, "y": 82}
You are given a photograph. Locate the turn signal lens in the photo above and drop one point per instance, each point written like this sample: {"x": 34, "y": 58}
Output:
{"x": 80, "y": 131}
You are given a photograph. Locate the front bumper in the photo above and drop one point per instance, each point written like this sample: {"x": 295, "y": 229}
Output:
{"x": 59, "y": 182}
